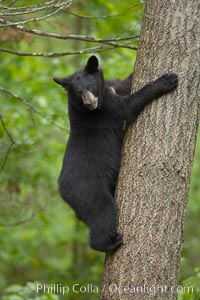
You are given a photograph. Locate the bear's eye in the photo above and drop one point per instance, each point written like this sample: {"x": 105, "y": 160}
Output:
{"x": 90, "y": 86}
{"x": 77, "y": 91}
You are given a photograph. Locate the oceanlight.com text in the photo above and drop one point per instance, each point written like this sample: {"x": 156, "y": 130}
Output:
{"x": 113, "y": 288}
{"x": 148, "y": 289}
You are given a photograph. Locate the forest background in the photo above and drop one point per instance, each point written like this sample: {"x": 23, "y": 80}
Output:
{"x": 41, "y": 240}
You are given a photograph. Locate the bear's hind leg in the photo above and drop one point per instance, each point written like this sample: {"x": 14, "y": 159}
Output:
{"x": 103, "y": 232}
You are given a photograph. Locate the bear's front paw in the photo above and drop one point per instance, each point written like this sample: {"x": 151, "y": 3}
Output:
{"x": 166, "y": 83}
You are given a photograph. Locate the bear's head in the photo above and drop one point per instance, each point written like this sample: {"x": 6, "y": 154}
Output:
{"x": 85, "y": 86}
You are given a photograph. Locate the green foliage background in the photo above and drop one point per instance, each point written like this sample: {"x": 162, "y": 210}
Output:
{"x": 40, "y": 238}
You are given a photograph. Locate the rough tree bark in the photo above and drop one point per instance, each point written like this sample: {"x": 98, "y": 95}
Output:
{"x": 157, "y": 158}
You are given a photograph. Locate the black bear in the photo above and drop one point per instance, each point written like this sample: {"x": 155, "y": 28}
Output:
{"x": 98, "y": 109}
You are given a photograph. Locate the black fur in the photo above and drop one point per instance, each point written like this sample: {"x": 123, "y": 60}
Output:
{"x": 92, "y": 159}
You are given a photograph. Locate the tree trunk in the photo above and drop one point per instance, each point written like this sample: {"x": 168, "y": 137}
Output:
{"x": 157, "y": 158}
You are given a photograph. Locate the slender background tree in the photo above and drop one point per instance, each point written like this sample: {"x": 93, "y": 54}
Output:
{"x": 153, "y": 185}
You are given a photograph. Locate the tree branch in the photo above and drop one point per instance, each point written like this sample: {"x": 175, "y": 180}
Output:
{"x": 8, "y": 11}
{"x": 58, "y": 54}
{"x": 27, "y": 7}
{"x": 31, "y": 108}
{"x": 33, "y": 8}
{"x": 6, "y": 130}
{"x": 12, "y": 143}
{"x": 6, "y": 156}
{"x": 35, "y": 19}
{"x": 101, "y": 17}
{"x": 69, "y": 36}
{"x": 19, "y": 222}
{"x": 93, "y": 17}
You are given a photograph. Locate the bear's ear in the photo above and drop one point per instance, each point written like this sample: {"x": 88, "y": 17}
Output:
{"x": 92, "y": 64}
{"x": 61, "y": 81}
{"x": 65, "y": 81}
